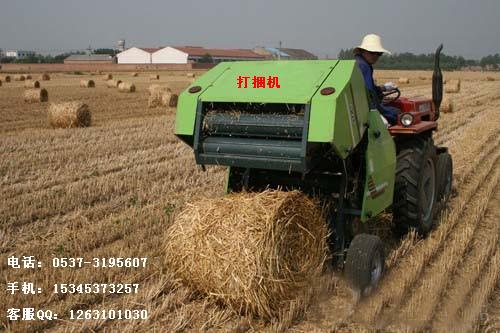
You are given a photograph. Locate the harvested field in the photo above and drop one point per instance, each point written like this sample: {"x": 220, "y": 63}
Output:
{"x": 113, "y": 189}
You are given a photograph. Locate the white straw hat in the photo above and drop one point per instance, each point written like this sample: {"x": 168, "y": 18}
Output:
{"x": 372, "y": 43}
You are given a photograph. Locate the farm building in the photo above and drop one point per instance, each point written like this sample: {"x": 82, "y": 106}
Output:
{"x": 136, "y": 55}
{"x": 19, "y": 54}
{"x": 89, "y": 59}
{"x": 183, "y": 55}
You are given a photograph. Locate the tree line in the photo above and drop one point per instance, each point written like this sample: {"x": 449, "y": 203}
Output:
{"x": 408, "y": 60}
{"x": 49, "y": 59}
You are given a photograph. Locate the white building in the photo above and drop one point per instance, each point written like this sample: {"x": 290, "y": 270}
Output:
{"x": 19, "y": 54}
{"x": 136, "y": 55}
{"x": 169, "y": 55}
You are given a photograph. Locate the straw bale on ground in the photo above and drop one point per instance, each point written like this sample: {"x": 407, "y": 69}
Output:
{"x": 254, "y": 252}
{"x": 107, "y": 77}
{"x": 161, "y": 96}
{"x": 28, "y": 77}
{"x": 69, "y": 114}
{"x": 135, "y": 74}
{"x": 126, "y": 87}
{"x": 447, "y": 105}
{"x": 36, "y": 95}
{"x": 490, "y": 78}
{"x": 154, "y": 77}
{"x": 87, "y": 84}
{"x": 5, "y": 78}
{"x": 19, "y": 78}
{"x": 452, "y": 86}
{"x": 31, "y": 84}
{"x": 404, "y": 80}
{"x": 190, "y": 75}
{"x": 0, "y": 83}
{"x": 113, "y": 83}
{"x": 44, "y": 77}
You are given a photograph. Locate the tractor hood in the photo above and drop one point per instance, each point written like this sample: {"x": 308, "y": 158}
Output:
{"x": 298, "y": 81}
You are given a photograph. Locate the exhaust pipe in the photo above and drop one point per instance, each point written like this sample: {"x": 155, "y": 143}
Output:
{"x": 437, "y": 83}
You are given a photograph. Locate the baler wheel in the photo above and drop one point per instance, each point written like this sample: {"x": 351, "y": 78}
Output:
{"x": 365, "y": 263}
{"x": 415, "y": 190}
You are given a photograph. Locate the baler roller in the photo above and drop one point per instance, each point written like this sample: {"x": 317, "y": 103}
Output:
{"x": 255, "y": 125}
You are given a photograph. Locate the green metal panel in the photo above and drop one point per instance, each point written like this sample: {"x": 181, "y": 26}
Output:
{"x": 298, "y": 81}
{"x": 380, "y": 168}
{"x": 340, "y": 118}
{"x": 186, "y": 106}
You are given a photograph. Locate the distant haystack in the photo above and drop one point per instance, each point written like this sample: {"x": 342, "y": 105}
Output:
{"x": 44, "y": 77}
{"x": 107, "y": 77}
{"x": 135, "y": 74}
{"x": 36, "y": 96}
{"x": 404, "y": 80}
{"x": 113, "y": 83}
{"x": 87, "y": 84}
{"x": 19, "y": 78}
{"x": 447, "y": 105}
{"x": 28, "y": 77}
{"x": 161, "y": 96}
{"x": 69, "y": 114}
{"x": 190, "y": 75}
{"x": 154, "y": 77}
{"x": 490, "y": 78}
{"x": 6, "y": 78}
{"x": 30, "y": 84}
{"x": 126, "y": 87}
{"x": 452, "y": 86}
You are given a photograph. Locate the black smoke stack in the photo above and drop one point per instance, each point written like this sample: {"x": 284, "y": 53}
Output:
{"x": 437, "y": 82}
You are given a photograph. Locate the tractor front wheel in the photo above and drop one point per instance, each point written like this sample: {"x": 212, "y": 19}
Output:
{"x": 365, "y": 263}
{"x": 415, "y": 190}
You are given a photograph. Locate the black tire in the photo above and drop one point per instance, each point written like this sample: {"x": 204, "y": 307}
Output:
{"x": 444, "y": 177}
{"x": 415, "y": 189}
{"x": 365, "y": 263}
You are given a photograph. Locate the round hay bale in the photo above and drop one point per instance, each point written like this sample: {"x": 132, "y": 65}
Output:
{"x": 447, "y": 105}
{"x": 161, "y": 96}
{"x": 87, "y": 84}
{"x": 126, "y": 87}
{"x": 19, "y": 78}
{"x": 190, "y": 75}
{"x": 107, "y": 77}
{"x": 152, "y": 89}
{"x": 113, "y": 83}
{"x": 255, "y": 252}
{"x": 154, "y": 77}
{"x": 28, "y": 77}
{"x": 452, "y": 86}
{"x": 135, "y": 74}
{"x": 5, "y": 78}
{"x": 0, "y": 83}
{"x": 169, "y": 99}
{"x": 45, "y": 77}
{"x": 490, "y": 78}
{"x": 69, "y": 114}
{"x": 30, "y": 84}
{"x": 36, "y": 95}
{"x": 404, "y": 80}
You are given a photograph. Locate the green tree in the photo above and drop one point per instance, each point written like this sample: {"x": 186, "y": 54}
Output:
{"x": 207, "y": 59}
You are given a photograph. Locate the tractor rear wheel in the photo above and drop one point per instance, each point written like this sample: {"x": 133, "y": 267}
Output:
{"x": 415, "y": 190}
{"x": 365, "y": 263}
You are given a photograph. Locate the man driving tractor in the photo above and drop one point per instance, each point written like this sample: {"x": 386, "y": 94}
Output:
{"x": 366, "y": 55}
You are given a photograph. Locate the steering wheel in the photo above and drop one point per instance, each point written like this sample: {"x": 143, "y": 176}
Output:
{"x": 387, "y": 97}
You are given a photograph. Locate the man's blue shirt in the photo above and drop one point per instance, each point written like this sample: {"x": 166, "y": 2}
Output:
{"x": 367, "y": 70}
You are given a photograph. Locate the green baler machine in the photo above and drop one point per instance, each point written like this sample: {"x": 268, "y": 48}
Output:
{"x": 316, "y": 133}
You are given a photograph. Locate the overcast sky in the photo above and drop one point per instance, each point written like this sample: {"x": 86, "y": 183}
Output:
{"x": 468, "y": 28}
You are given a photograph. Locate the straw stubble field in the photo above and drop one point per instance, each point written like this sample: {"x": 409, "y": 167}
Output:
{"x": 112, "y": 189}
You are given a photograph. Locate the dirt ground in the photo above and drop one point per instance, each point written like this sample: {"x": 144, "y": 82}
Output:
{"x": 112, "y": 189}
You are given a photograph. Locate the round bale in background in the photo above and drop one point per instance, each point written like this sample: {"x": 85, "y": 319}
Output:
{"x": 190, "y": 75}
{"x": 30, "y": 84}
{"x": 45, "y": 77}
{"x": 404, "y": 80}
{"x": 0, "y": 83}
{"x": 6, "y": 78}
{"x": 135, "y": 74}
{"x": 69, "y": 115}
{"x": 107, "y": 77}
{"x": 87, "y": 84}
{"x": 126, "y": 87}
{"x": 28, "y": 77}
{"x": 253, "y": 252}
{"x": 36, "y": 96}
{"x": 447, "y": 105}
{"x": 154, "y": 77}
{"x": 113, "y": 83}
{"x": 19, "y": 78}
{"x": 452, "y": 86}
